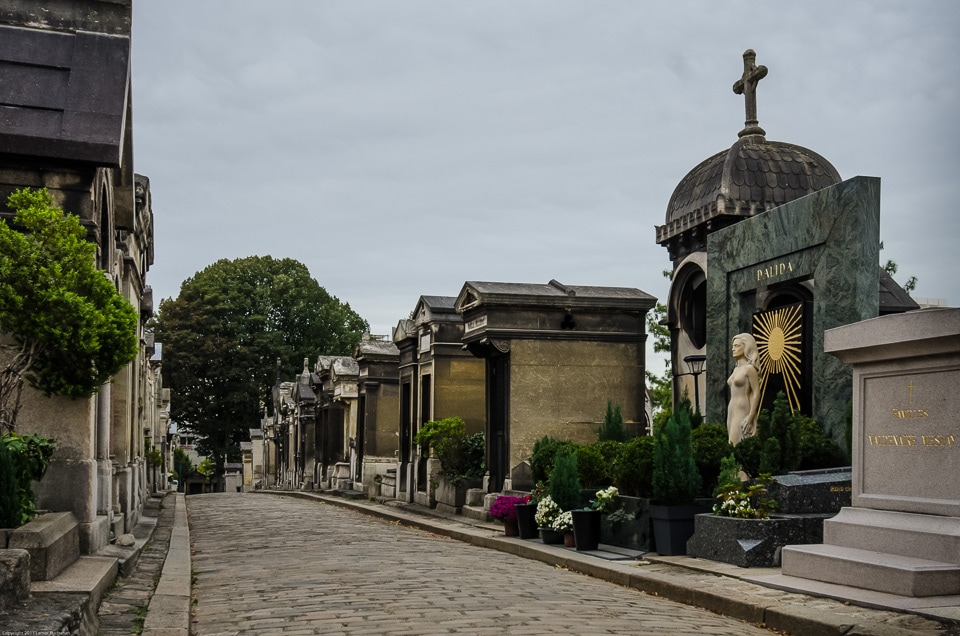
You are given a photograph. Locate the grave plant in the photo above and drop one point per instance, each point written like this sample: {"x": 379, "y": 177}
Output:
{"x": 564, "y": 482}
{"x": 676, "y": 484}
{"x": 70, "y": 328}
{"x": 461, "y": 455}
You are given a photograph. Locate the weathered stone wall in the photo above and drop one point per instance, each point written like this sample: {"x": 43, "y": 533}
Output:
{"x": 560, "y": 388}
{"x": 460, "y": 390}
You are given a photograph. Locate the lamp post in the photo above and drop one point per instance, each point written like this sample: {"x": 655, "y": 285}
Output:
{"x": 695, "y": 367}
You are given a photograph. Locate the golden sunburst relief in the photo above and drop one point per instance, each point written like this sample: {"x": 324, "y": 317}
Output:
{"x": 778, "y": 334}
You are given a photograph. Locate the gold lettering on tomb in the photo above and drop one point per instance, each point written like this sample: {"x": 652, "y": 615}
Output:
{"x": 774, "y": 271}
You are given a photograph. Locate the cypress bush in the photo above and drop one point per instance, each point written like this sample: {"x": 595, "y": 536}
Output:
{"x": 565, "y": 480}
{"x": 612, "y": 428}
{"x": 676, "y": 480}
{"x": 544, "y": 454}
{"x": 710, "y": 446}
{"x": 632, "y": 468}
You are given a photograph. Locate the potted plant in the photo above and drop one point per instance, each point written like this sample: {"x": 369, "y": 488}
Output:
{"x": 676, "y": 484}
{"x": 461, "y": 459}
{"x": 563, "y": 526}
{"x": 504, "y": 508}
{"x": 527, "y": 513}
{"x": 586, "y": 521}
{"x": 547, "y": 512}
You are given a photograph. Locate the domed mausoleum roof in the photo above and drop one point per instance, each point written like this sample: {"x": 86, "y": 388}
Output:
{"x": 752, "y": 176}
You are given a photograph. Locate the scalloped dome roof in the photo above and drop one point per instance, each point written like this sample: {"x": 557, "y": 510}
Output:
{"x": 752, "y": 176}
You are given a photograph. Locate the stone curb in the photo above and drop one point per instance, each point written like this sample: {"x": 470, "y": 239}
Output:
{"x": 168, "y": 613}
{"x": 717, "y": 591}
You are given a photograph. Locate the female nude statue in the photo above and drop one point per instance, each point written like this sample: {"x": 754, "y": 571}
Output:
{"x": 744, "y": 390}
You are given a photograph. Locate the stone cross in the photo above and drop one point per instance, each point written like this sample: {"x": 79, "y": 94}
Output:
{"x": 747, "y": 86}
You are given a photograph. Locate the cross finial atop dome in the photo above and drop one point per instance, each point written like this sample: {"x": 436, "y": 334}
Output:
{"x": 747, "y": 86}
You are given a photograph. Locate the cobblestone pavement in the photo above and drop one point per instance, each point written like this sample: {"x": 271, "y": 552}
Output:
{"x": 124, "y": 607}
{"x": 271, "y": 565}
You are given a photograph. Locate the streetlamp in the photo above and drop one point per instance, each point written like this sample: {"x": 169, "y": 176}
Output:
{"x": 695, "y": 366}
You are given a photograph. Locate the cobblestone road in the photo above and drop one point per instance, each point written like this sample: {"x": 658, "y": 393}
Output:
{"x": 274, "y": 565}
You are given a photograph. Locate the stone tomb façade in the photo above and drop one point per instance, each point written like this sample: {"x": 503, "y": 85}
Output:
{"x": 898, "y": 545}
{"x": 811, "y": 264}
{"x": 555, "y": 354}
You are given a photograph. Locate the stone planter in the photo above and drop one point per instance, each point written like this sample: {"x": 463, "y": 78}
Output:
{"x": 452, "y": 497}
{"x": 629, "y": 525}
{"x": 586, "y": 528}
{"x": 750, "y": 542}
{"x": 673, "y": 526}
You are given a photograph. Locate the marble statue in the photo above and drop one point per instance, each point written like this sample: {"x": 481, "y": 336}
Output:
{"x": 744, "y": 390}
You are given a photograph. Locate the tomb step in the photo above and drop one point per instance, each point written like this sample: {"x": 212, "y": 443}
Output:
{"x": 91, "y": 575}
{"x": 475, "y": 512}
{"x": 866, "y": 569}
{"x": 903, "y": 533}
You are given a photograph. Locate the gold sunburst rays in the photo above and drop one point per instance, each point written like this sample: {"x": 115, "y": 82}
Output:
{"x": 779, "y": 341}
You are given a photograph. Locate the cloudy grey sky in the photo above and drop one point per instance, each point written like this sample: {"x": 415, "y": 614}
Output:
{"x": 400, "y": 148}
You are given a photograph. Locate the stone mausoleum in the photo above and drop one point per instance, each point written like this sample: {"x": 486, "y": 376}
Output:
{"x": 67, "y": 126}
{"x": 765, "y": 239}
{"x": 555, "y": 355}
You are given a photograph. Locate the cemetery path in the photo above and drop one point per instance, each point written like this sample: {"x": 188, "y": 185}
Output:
{"x": 277, "y": 565}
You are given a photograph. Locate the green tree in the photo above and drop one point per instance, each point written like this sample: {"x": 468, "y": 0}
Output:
{"x": 891, "y": 268}
{"x": 73, "y": 330}
{"x": 224, "y": 333}
{"x": 182, "y": 466}
{"x": 661, "y": 385}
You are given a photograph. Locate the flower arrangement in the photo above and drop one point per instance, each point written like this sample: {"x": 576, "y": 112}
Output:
{"x": 745, "y": 503}
{"x": 563, "y": 523}
{"x": 547, "y": 511}
{"x": 504, "y": 507}
{"x": 539, "y": 490}
{"x": 606, "y": 500}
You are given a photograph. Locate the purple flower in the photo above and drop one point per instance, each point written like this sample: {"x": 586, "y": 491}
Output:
{"x": 505, "y": 507}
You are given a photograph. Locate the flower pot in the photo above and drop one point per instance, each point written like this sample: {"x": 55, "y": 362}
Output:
{"x": 550, "y": 536}
{"x": 510, "y": 528}
{"x": 526, "y": 523}
{"x": 586, "y": 528}
{"x": 569, "y": 540}
{"x": 673, "y": 526}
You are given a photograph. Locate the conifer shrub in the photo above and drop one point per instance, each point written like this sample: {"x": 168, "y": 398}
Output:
{"x": 770, "y": 457}
{"x": 612, "y": 428}
{"x": 565, "y": 480}
{"x": 748, "y": 453}
{"x": 592, "y": 467}
{"x": 676, "y": 480}
{"x": 729, "y": 475}
{"x": 710, "y": 446}
{"x": 544, "y": 454}
{"x": 632, "y": 468}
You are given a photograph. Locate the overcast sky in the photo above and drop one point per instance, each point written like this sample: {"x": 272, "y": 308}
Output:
{"x": 400, "y": 148}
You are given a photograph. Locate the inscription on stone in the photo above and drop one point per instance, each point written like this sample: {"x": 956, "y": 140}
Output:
{"x": 908, "y": 426}
{"x": 774, "y": 271}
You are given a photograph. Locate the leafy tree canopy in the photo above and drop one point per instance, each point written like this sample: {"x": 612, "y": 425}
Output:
{"x": 224, "y": 333}
{"x": 74, "y": 331}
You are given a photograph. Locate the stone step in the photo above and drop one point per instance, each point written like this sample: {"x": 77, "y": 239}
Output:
{"x": 92, "y": 575}
{"x": 475, "y": 512}
{"x": 53, "y": 541}
{"x": 903, "y": 533}
{"x": 866, "y": 569}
